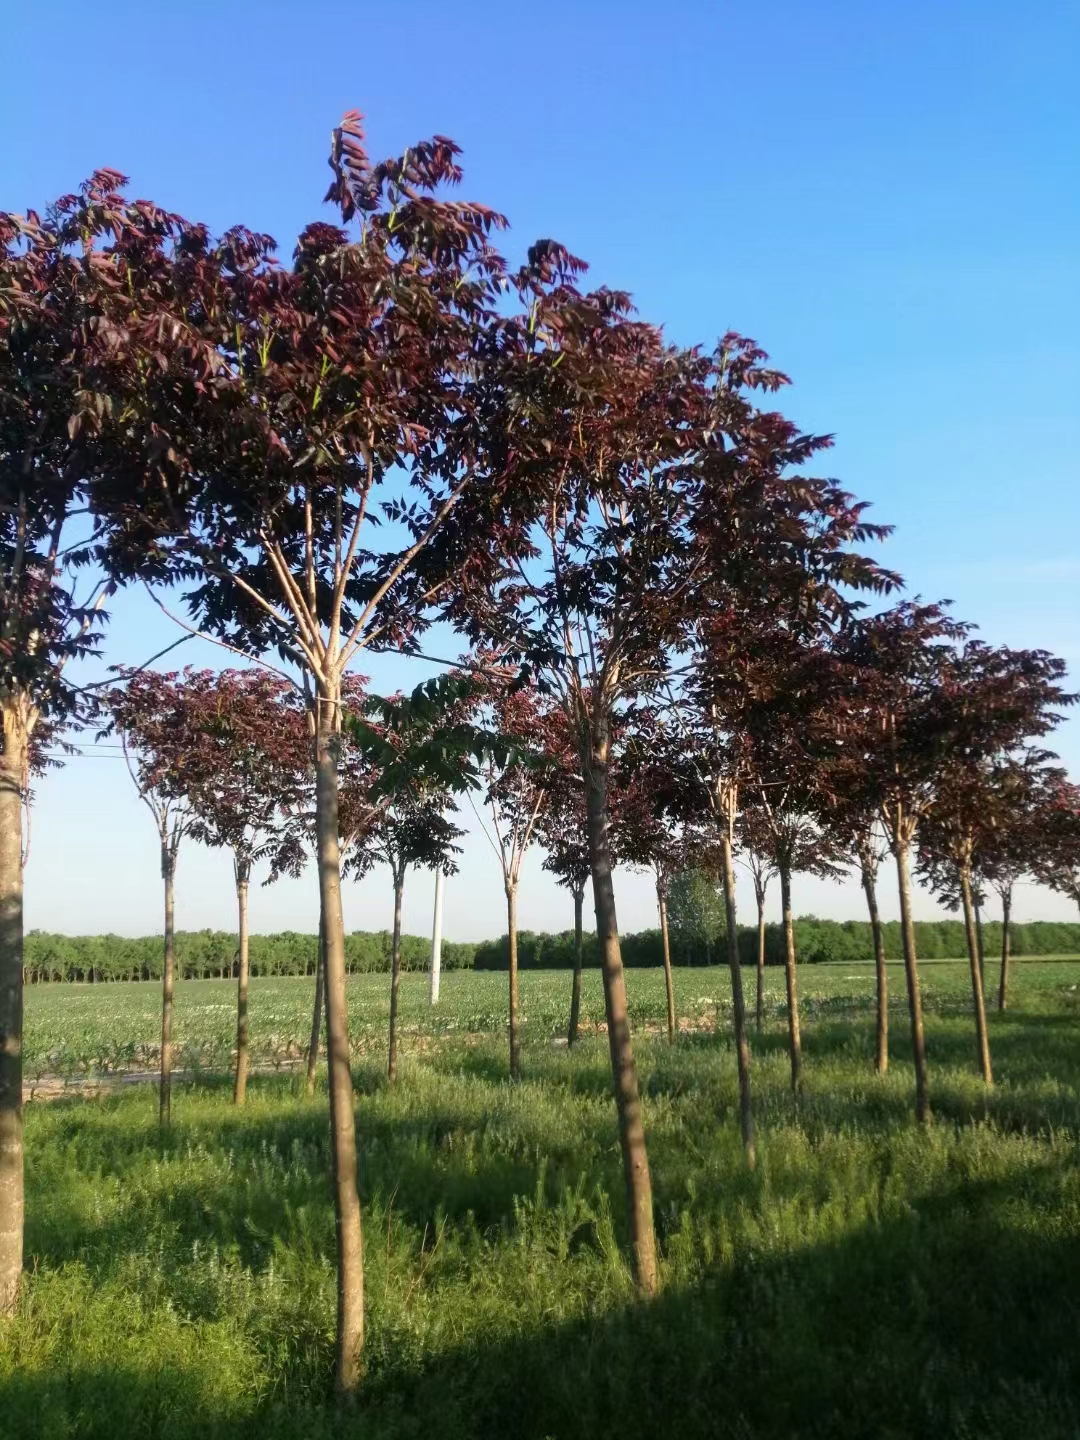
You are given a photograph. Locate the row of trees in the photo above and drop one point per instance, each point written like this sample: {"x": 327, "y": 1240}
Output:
{"x": 667, "y": 658}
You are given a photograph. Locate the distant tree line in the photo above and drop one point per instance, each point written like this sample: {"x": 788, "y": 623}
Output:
{"x": 213, "y": 955}
{"x": 818, "y": 941}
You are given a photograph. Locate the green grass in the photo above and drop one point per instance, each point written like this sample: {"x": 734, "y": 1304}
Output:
{"x": 867, "y": 1280}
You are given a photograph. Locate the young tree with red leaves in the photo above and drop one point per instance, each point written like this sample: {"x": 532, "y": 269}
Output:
{"x": 63, "y": 291}
{"x": 1015, "y": 835}
{"x": 859, "y": 838}
{"x": 925, "y": 709}
{"x": 753, "y": 854}
{"x": 515, "y": 794}
{"x": 164, "y": 749}
{"x": 561, "y": 831}
{"x": 296, "y": 408}
{"x": 244, "y": 780}
{"x": 1057, "y": 859}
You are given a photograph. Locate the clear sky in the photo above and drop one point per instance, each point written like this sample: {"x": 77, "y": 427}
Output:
{"x": 884, "y": 196}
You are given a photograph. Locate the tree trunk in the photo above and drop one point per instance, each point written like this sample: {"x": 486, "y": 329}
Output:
{"x": 982, "y": 1041}
{"x": 882, "y": 1037}
{"x": 742, "y": 1044}
{"x": 243, "y": 875}
{"x": 12, "y": 769}
{"x": 512, "y": 953}
{"x": 395, "y": 973}
{"x": 436, "y": 938}
{"x": 317, "y": 1012}
{"x": 168, "y": 874}
{"x": 575, "y": 992}
{"x": 661, "y": 900}
{"x": 760, "y": 1007}
{"x": 977, "y": 904}
{"x": 639, "y": 1205}
{"x": 1006, "y": 941}
{"x": 911, "y": 971}
{"x": 349, "y": 1231}
{"x": 794, "y": 1035}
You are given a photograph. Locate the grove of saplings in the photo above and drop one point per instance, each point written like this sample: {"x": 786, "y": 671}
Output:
{"x": 677, "y": 653}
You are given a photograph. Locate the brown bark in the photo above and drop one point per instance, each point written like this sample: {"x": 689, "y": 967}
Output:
{"x": 168, "y": 968}
{"x": 661, "y": 899}
{"x": 395, "y": 973}
{"x": 575, "y": 993}
{"x": 12, "y": 770}
{"x": 243, "y": 875}
{"x": 639, "y": 1204}
{"x": 512, "y": 954}
{"x": 317, "y": 1012}
{"x": 794, "y": 1032}
{"x": 760, "y": 1006}
{"x": 977, "y": 904}
{"x": 742, "y": 1043}
{"x": 911, "y": 970}
{"x": 982, "y": 1041}
{"x": 882, "y": 1036}
{"x": 1006, "y": 943}
{"x": 348, "y": 1227}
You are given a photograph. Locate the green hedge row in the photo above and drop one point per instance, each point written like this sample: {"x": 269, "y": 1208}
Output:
{"x": 211, "y": 954}
{"x": 816, "y": 942}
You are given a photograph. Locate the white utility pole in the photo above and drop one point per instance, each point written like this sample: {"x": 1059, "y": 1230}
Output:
{"x": 436, "y": 939}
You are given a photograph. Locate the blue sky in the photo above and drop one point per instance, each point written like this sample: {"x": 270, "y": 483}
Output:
{"x": 884, "y": 196}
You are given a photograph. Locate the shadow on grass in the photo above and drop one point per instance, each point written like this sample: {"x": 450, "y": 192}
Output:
{"x": 952, "y": 1321}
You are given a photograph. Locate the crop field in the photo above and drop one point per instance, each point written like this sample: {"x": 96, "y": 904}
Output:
{"x": 869, "y": 1279}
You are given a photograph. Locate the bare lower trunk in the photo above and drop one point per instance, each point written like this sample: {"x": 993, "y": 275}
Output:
{"x": 794, "y": 1033}
{"x": 11, "y": 1018}
{"x": 760, "y": 1006}
{"x": 349, "y": 1232}
{"x": 911, "y": 971}
{"x": 436, "y": 939}
{"x": 575, "y": 992}
{"x": 395, "y": 974}
{"x": 742, "y": 1043}
{"x": 639, "y": 1204}
{"x": 882, "y": 1036}
{"x": 982, "y": 1041}
{"x": 512, "y": 956}
{"x": 317, "y": 1012}
{"x": 977, "y": 903}
{"x": 168, "y": 874}
{"x": 243, "y": 871}
{"x": 661, "y": 899}
{"x": 1006, "y": 942}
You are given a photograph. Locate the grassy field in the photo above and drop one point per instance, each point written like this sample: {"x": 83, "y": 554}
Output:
{"x": 867, "y": 1280}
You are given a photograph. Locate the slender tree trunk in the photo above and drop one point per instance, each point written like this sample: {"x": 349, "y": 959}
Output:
{"x": 349, "y": 1231}
{"x": 575, "y": 992}
{"x": 911, "y": 970}
{"x": 12, "y": 769}
{"x": 982, "y": 1041}
{"x": 639, "y": 1204}
{"x": 395, "y": 973}
{"x": 243, "y": 875}
{"x": 760, "y": 1007}
{"x": 317, "y": 1012}
{"x": 512, "y": 953}
{"x": 742, "y": 1043}
{"x": 794, "y": 1033}
{"x": 882, "y": 1037}
{"x": 168, "y": 874}
{"x": 436, "y": 938}
{"x": 977, "y": 904}
{"x": 661, "y": 900}
{"x": 1006, "y": 943}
